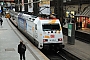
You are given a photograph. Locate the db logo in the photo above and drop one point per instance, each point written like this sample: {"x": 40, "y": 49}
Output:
{"x": 52, "y": 36}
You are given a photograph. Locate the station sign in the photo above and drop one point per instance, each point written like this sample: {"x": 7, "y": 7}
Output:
{"x": 30, "y": 6}
{"x": 44, "y": 7}
{"x": 0, "y": 11}
{"x": 69, "y": 29}
{"x": 71, "y": 33}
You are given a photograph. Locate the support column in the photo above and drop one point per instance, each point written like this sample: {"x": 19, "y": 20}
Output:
{"x": 26, "y": 5}
{"x": 59, "y": 10}
{"x": 36, "y": 7}
{"x": 16, "y": 5}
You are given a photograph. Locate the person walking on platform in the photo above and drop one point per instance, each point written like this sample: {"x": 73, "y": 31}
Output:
{"x": 21, "y": 50}
{"x": 1, "y": 21}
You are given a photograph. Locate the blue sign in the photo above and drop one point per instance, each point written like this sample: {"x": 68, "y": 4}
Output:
{"x": 0, "y": 11}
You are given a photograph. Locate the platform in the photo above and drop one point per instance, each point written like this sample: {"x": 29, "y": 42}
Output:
{"x": 84, "y": 30}
{"x": 80, "y": 49}
{"x": 9, "y": 40}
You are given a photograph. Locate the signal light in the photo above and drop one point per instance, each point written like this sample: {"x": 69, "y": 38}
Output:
{"x": 45, "y": 40}
{"x": 60, "y": 39}
{"x": 48, "y": 32}
{"x": 55, "y": 31}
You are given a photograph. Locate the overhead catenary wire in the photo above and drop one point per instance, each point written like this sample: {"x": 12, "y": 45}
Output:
{"x": 32, "y": 2}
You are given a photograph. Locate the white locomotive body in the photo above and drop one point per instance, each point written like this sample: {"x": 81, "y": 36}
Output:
{"x": 46, "y": 32}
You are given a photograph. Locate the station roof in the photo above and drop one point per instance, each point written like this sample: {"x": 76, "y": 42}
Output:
{"x": 6, "y": 0}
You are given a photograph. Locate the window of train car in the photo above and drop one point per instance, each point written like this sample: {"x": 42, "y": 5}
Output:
{"x": 49, "y": 27}
{"x": 36, "y": 26}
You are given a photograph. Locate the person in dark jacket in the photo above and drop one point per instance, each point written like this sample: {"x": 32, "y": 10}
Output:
{"x": 1, "y": 21}
{"x": 21, "y": 50}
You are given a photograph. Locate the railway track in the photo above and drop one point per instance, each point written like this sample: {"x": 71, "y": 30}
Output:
{"x": 52, "y": 55}
{"x": 59, "y": 55}
{"x": 67, "y": 56}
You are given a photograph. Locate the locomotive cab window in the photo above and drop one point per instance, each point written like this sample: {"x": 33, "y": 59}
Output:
{"x": 36, "y": 26}
{"x": 49, "y": 27}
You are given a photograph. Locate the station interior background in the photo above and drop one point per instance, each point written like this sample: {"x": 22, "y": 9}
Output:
{"x": 77, "y": 11}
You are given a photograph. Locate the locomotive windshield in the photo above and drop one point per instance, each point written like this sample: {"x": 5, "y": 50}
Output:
{"x": 49, "y": 27}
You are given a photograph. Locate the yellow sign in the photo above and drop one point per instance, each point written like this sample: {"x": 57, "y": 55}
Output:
{"x": 44, "y": 2}
{"x": 46, "y": 37}
{"x": 52, "y": 21}
{"x": 7, "y": 15}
